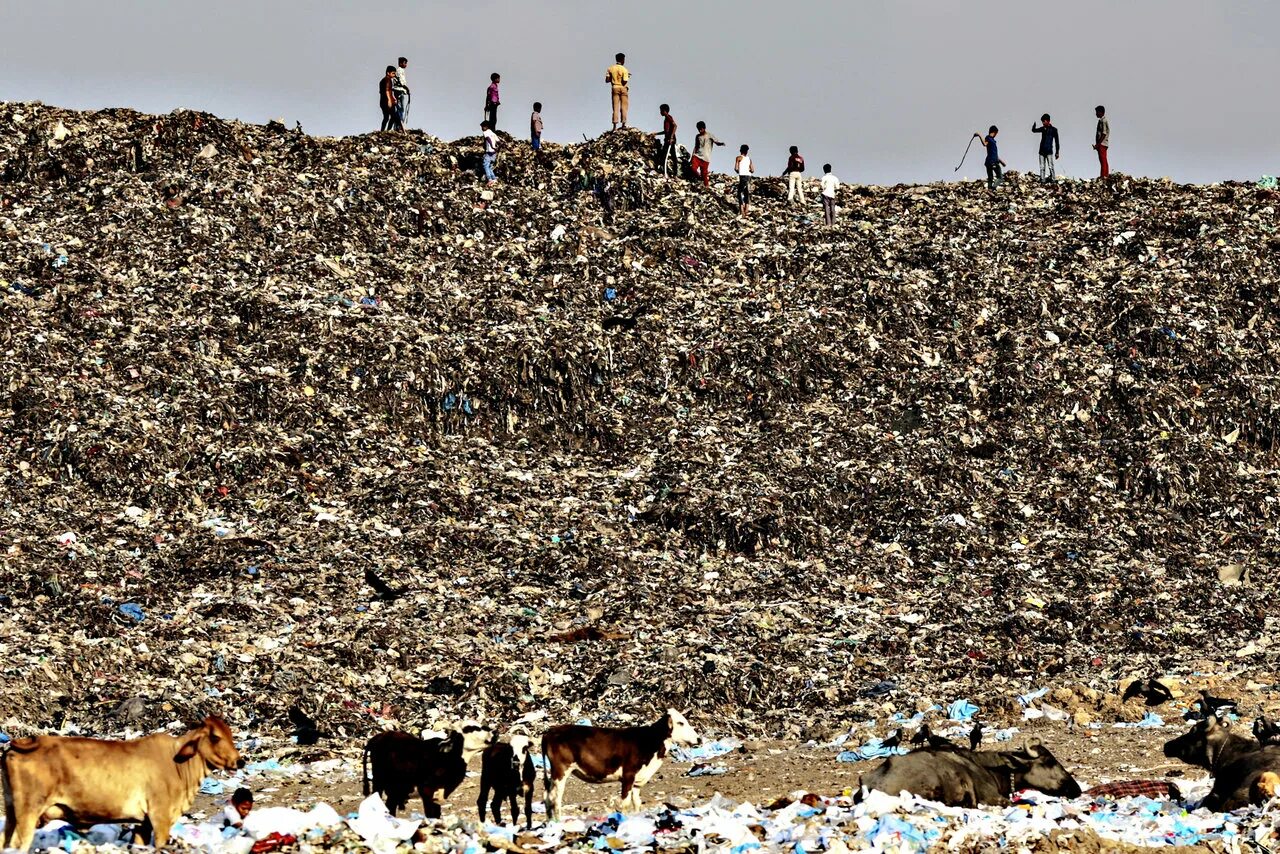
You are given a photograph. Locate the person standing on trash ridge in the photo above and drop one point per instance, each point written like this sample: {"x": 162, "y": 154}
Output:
{"x": 491, "y": 144}
{"x": 401, "y": 88}
{"x": 492, "y": 100}
{"x": 746, "y": 169}
{"x": 387, "y": 100}
{"x": 535, "y": 126}
{"x": 995, "y": 177}
{"x": 829, "y": 184}
{"x": 668, "y": 134}
{"x": 1050, "y": 147}
{"x": 619, "y": 80}
{"x": 703, "y": 144}
{"x": 1102, "y": 140}
{"x": 795, "y": 176}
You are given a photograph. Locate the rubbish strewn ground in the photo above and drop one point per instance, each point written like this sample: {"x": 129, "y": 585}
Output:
{"x": 293, "y": 422}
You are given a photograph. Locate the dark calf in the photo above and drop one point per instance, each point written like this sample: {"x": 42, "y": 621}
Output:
{"x": 507, "y": 770}
{"x": 402, "y": 763}
{"x": 1238, "y": 764}
{"x": 630, "y": 755}
{"x": 968, "y": 778}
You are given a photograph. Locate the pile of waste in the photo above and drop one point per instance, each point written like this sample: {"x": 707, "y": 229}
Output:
{"x": 327, "y": 424}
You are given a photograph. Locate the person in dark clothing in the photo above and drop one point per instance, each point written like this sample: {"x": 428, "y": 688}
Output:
{"x": 1050, "y": 147}
{"x": 491, "y": 101}
{"x": 668, "y": 134}
{"x": 795, "y": 175}
{"x": 995, "y": 177}
{"x": 387, "y": 100}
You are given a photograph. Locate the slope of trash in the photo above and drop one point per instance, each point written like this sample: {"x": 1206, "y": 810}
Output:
{"x": 325, "y": 422}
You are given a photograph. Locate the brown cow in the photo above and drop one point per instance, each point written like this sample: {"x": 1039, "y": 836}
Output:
{"x": 88, "y": 781}
{"x": 631, "y": 755}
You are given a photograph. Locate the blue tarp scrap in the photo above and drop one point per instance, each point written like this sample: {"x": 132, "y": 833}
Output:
{"x": 961, "y": 710}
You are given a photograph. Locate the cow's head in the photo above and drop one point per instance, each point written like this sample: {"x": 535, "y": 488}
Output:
{"x": 475, "y": 737}
{"x": 1034, "y": 767}
{"x": 213, "y": 742}
{"x": 679, "y": 730}
{"x": 1202, "y": 745}
{"x": 519, "y": 748}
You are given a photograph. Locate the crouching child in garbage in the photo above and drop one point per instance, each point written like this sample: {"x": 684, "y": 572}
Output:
{"x": 238, "y": 810}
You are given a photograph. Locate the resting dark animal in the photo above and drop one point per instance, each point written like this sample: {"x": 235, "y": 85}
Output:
{"x": 1237, "y": 763}
{"x": 968, "y": 778}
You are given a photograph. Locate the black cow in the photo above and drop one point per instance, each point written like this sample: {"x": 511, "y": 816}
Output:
{"x": 402, "y": 762}
{"x": 968, "y": 778}
{"x": 507, "y": 770}
{"x": 1237, "y": 763}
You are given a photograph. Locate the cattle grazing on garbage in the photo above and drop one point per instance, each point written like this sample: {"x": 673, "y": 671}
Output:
{"x": 969, "y": 778}
{"x": 507, "y": 769}
{"x": 87, "y": 781}
{"x": 401, "y": 763}
{"x": 631, "y": 755}
{"x": 1236, "y": 762}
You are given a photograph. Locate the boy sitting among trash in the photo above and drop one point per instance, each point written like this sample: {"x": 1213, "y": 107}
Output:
{"x": 238, "y": 810}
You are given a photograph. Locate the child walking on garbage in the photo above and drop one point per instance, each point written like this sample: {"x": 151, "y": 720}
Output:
{"x": 1050, "y": 147}
{"x": 387, "y": 100}
{"x": 995, "y": 177}
{"x": 1102, "y": 140}
{"x": 490, "y": 151}
{"x": 829, "y": 183}
{"x": 238, "y": 810}
{"x": 745, "y": 168}
{"x": 668, "y": 134}
{"x": 703, "y": 144}
{"x": 795, "y": 176}
{"x": 492, "y": 100}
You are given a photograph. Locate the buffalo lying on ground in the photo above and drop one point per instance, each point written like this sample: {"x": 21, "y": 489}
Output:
{"x": 968, "y": 778}
{"x": 1238, "y": 764}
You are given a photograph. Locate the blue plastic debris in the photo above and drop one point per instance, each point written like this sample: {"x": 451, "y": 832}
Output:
{"x": 1028, "y": 699}
{"x": 706, "y": 750}
{"x": 210, "y": 786}
{"x": 610, "y": 294}
{"x": 961, "y": 710}
{"x": 132, "y": 611}
{"x": 707, "y": 770}
{"x": 873, "y": 749}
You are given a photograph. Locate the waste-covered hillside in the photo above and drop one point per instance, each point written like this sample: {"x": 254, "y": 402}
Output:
{"x": 290, "y": 420}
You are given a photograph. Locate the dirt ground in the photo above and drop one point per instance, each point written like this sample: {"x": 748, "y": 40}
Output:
{"x": 760, "y": 772}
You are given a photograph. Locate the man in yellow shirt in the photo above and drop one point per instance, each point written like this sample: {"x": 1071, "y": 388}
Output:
{"x": 619, "y": 78}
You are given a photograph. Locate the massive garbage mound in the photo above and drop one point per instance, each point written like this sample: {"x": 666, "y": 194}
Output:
{"x": 327, "y": 423}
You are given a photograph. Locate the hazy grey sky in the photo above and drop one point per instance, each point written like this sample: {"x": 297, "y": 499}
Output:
{"x": 887, "y": 90}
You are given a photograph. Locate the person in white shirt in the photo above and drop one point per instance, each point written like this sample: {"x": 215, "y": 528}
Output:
{"x": 490, "y": 151}
{"x": 745, "y": 169}
{"x": 400, "y": 86}
{"x": 829, "y": 183}
{"x": 238, "y": 810}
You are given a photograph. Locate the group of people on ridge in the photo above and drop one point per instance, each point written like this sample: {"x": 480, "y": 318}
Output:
{"x": 1050, "y": 148}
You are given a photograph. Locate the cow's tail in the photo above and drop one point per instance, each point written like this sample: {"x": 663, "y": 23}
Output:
{"x": 365, "y": 773}
{"x": 10, "y": 817}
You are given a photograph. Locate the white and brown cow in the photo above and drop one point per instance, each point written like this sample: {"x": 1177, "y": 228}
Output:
{"x": 631, "y": 755}
{"x": 87, "y": 781}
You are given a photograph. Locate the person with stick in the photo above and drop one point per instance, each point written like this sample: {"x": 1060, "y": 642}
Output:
{"x": 401, "y": 87}
{"x": 387, "y": 100}
{"x": 746, "y": 170}
{"x": 668, "y": 135}
{"x": 995, "y": 177}
{"x": 619, "y": 80}
{"x": 492, "y": 100}
{"x": 1102, "y": 140}
{"x": 1050, "y": 147}
{"x": 795, "y": 175}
